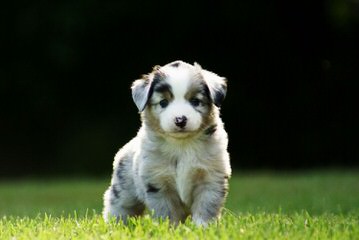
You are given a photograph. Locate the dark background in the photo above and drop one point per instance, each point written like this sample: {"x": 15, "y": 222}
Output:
{"x": 65, "y": 102}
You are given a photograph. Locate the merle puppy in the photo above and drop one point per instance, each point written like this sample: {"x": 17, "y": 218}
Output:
{"x": 178, "y": 164}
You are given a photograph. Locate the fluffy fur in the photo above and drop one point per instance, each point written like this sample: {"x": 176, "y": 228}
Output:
{"x": 178, "y": 164}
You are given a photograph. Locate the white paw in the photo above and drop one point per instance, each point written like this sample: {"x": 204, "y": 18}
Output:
{"x": 200, "y": 222}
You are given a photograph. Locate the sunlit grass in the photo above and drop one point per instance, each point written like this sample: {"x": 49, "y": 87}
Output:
{"x": 246, "y": 226}
{"x": 311, "y": 205}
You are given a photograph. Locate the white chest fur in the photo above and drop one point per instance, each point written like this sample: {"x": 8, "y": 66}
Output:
{"x": 188, "y": 175}
{"x": 189, "y": 167}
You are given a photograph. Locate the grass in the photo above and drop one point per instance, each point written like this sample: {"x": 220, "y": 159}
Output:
{"x": 311, "y": 205}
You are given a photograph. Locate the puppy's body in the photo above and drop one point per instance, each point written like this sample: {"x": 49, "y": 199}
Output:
{"x": 178, "y": 164}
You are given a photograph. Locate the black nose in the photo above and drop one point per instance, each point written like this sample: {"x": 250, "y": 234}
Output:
{"x": 181, "y": 121}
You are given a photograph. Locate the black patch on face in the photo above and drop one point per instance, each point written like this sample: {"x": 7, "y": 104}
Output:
{"x": 158, "y": 84}
{"x": 175, "y": 64}
{"x": 199, "y": 92}
{"x": 162, "y": 87}
{"x": 209, "y": 131}
{"x": 152, "y": 189}
{"x": 205, "y": 91}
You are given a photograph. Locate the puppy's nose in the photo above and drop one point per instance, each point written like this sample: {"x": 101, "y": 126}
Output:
{"x": 181, "y": 121}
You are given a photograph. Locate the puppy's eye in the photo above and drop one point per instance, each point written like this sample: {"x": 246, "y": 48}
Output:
{"x": 195, "y": 102}
{"x": 164, "y": 103}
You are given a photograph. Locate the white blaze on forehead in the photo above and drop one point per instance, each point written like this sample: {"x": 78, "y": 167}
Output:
{"x": 179, "y": 78}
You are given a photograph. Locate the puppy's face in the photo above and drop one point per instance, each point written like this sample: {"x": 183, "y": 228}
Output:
{"x": 178, "y": 99}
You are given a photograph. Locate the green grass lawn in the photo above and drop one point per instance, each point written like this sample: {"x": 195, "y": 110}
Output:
{"x": 307, "y": 205}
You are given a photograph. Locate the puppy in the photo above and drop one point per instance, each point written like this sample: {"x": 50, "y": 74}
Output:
{"x": 178, "y": 164}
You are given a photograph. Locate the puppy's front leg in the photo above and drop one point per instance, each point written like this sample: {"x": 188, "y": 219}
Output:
{"x": 165, "y": 204}
{"x": 208, "y": 201}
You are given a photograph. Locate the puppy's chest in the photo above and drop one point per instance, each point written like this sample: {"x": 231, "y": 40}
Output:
{"x": 187, "y": 176}
{"x": 187, "y": 171}
{"x": 178, "y": 168}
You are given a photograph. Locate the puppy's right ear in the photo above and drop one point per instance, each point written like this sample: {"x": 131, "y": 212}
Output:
{"x": 141, "y": 92}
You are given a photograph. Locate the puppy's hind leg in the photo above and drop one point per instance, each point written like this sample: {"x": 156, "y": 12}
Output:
{"x": 121, "y": 204}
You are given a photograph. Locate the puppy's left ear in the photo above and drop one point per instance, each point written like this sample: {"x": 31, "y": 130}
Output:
{"x": 217, "y": 85}
{"x": 141, "y": 92}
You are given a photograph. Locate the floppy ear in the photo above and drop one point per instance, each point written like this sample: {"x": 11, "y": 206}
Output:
{"x": 141, "y": 92}
{"x": 217, "y": 85}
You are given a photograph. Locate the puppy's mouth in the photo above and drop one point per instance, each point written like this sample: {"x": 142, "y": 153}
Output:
{"x": 181, "y": 133}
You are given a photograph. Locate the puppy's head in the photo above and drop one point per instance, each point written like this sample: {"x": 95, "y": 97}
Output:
{"x": 179, "y": 99}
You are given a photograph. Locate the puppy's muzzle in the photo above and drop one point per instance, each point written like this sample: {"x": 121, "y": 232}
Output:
{"x": 181, "y": 121}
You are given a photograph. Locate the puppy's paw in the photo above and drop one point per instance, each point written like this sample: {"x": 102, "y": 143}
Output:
{"x": 200, "y": 222}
